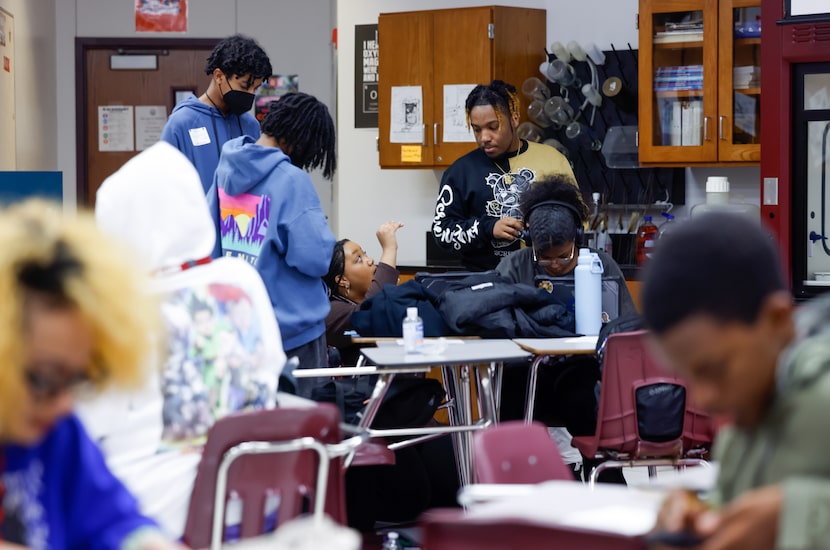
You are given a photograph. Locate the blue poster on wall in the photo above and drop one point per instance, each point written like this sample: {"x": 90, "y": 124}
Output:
{"x": 18, "y": 186}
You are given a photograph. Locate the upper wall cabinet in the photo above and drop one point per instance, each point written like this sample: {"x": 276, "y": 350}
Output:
{"x": 427, "y": 63}
{"x": 699, "y": 82}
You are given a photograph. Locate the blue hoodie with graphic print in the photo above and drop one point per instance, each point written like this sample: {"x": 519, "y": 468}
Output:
{"x": 267, "y": 212}
{"x": 199, "y": 131}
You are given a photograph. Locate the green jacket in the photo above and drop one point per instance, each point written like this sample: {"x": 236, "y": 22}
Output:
{"x": 790, "y": 446}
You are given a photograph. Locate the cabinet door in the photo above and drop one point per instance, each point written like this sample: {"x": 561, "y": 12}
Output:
{"x": 678, "y": 81}
{"x": 405, "y": 59}
{"x": 463, "y": 55}
{"x": 739, "y": 81}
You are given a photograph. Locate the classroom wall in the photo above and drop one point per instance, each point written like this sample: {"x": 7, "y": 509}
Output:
{"x": 296, "y": 35}
{"x": 366, "y": 195}
{"x": 35, "y": 84}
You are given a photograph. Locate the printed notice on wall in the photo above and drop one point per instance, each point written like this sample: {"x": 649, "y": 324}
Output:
{"x": 115, "y": 128}
{"x": 455, "y": 117}
{"x": 149, "y": 122}
{"x": 366, "y": 76}
{"x": 407, "y": 117}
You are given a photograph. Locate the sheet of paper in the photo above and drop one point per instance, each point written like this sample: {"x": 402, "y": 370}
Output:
{"x": 611, "y": 508}
{"x": 407, "y": 117}
{"x": 455, "y": 116}
{"x": 115, "y": 128}
{"x": 149, "y": 122}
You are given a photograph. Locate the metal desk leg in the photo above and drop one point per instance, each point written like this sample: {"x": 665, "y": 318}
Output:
{"x": 530, "y": 400}
{"x": 452, "y": 387}
{"x": 372, "y": 407}
{"x": 486, "y": 393}
{"x": 464, "y": 440}
{"x": 496, "y": 370}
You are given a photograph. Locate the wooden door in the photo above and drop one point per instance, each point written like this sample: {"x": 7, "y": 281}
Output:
{"x": 405, "y": 59}
{"x": 181, "y": 65}
{"x": 462, "y": 55}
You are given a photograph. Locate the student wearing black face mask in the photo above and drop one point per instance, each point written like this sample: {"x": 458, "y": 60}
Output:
{"x": 198, "y": 127}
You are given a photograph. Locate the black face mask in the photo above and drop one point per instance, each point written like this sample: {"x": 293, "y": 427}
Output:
{"x": 237, "y": 101}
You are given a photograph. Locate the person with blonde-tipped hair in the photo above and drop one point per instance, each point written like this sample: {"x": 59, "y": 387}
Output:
{"x": 74, "y": 314}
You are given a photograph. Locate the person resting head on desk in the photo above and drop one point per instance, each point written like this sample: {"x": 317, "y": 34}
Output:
{"x": 75, "y": 316}
{"x": 353, "y": 277}
{"x": 722, "y": 316}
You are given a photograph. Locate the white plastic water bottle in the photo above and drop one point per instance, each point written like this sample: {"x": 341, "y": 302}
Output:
{"x": 588, "y": 292}
{"x": 391, "y": 541}
{"x": 233, "y": 517}
{"x": 413, "y": 331}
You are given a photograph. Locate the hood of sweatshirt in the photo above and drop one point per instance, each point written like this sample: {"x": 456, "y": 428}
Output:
{"x": 193, "y": 103}
{"x": 156, "y": 204}
{"x": 807, "y": 359}
{"x": 240, "y": 172}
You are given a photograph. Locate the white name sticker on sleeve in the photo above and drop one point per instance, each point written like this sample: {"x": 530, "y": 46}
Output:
{"x": 199, "y": 136}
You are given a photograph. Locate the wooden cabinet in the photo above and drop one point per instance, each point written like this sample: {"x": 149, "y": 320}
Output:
{"x": 434, "y": 50}
{"x": 699, "y": 82}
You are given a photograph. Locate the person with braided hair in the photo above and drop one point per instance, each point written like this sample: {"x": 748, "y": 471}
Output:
{"x": 267, "y": 211}
{"x": 200, "y": 126}
{"x": 477, "y": 210}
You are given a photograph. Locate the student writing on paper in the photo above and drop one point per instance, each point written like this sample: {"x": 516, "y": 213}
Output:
{"x": 723, "y": 317}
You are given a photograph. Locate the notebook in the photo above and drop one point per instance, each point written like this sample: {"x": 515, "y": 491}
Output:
{"x": 563, "y": 290}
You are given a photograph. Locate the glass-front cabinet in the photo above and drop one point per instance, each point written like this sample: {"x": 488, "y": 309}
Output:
{"x": 699, "y": 81}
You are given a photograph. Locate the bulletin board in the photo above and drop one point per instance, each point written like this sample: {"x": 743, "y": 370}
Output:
{"x": 8, "y": 152}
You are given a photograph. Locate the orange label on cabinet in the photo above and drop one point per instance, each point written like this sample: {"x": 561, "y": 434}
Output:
{"x": 411, "y": 153}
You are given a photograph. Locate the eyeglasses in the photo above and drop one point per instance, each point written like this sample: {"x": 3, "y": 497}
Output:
{"x": 48, "y": 385}
{"x": 561, "y": 262}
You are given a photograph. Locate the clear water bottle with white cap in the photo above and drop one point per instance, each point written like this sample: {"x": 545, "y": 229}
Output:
{"x": 413, "y": 331}
{"x": 588, "y": 292}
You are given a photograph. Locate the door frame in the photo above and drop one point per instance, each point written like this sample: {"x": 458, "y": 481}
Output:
{"x": 82, "y": 46}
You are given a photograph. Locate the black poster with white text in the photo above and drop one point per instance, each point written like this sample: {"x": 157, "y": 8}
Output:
{"x": 366, "y": 76}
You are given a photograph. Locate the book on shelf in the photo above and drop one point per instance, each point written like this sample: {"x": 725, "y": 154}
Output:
{"x": 671, "y": 37}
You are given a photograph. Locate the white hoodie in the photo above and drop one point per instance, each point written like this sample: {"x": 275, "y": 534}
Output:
{"x": 155, "y": 204}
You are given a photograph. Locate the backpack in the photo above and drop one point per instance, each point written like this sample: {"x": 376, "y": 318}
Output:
{"x": 624, "y": 323}
{"x": 410, "y": 401}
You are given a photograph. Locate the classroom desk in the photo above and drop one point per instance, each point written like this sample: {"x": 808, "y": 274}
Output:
{"x": 542, "y": 348}
{"x": 457, "y": 360}
{"x": 569, "y": 513}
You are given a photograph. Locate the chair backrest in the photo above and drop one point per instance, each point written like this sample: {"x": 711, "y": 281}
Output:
{"x": 516, "y": 452}
{"x": 256, "y": 477}
{"x": 644, "y": 410}
{"x": 451, "y": 529}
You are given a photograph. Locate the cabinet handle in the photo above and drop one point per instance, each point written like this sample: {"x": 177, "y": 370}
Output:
{"x": 424, "y": 135}
{"x": 720, "y": 128}
{"x": 435, "y": 133}
{"x": 706, "y": 128}
{"x": 637, "y": 139}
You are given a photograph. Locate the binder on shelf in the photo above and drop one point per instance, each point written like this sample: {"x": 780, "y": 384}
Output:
{"x": 691, "y": 123}
{"x": 676, "y": 124}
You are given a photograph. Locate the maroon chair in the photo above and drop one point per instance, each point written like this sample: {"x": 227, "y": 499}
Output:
{"x": 452, "y": 529}
{"x": 516, "y": 452}
{"x": 283, "y": 451}
{"x": 629, "y": 370}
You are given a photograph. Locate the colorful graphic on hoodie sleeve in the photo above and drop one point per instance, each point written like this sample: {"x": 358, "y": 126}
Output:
{"x": 244, "y": 224}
